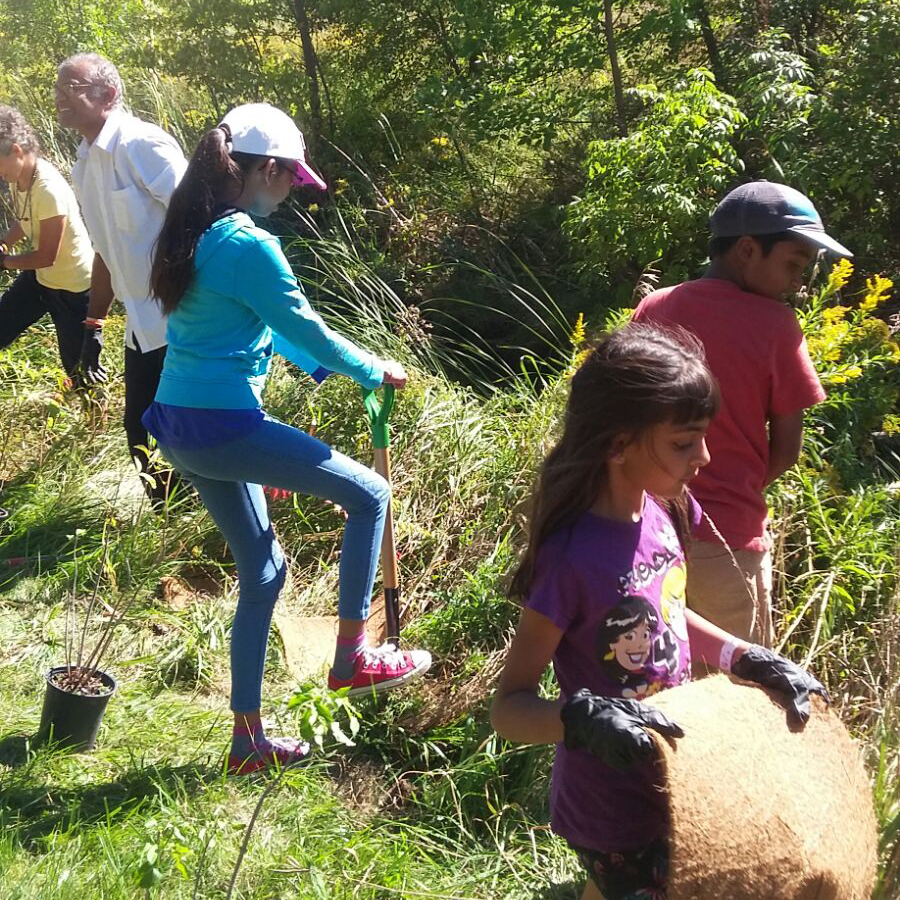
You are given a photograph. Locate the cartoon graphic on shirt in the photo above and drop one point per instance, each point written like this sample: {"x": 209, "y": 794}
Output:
{"x": 625, "y": 644}
{"x": 673, "y": 599}
{"x": 667, "y": 653}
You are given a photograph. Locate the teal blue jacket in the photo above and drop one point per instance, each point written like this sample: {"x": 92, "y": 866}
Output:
{"x": 243, "y": 304}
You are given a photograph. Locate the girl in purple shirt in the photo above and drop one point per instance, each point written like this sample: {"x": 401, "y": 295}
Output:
{"x": 602, "y": 582}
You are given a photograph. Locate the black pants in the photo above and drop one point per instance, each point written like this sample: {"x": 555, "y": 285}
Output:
{"x": 142, "y": 372}
{"x": 27, "y": 301}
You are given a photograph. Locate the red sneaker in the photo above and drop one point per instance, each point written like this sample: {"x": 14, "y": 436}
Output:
{"x": 277, "y": 751}
{"x": 383, "y": 669}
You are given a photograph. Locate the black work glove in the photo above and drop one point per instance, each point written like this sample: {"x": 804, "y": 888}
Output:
{"x": 612, "y": 729}
{"x": 90, "y": 370}
{"x": 764, "y": 667}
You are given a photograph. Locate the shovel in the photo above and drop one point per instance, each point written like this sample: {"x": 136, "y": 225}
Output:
{"x": 381, "y": 440}
{"x": 309, "y": 640}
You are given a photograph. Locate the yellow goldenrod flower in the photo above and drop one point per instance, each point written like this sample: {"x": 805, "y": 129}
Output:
{"x": 578, "y": 335}
{"x": 827, "y": 344}
{"x": 834, "y": 313}
{"x": 580, "y": 353}
{"x": 875, "y": 330}
{"x": 848, "y": 373}
{"x": 840, "y": 275}
{"x": 441, "y": 141}
{"x": 877, "y": 289}
{"x": 577, "y": 359}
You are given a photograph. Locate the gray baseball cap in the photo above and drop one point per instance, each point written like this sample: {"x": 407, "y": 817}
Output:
{"x": 765, "y": 207}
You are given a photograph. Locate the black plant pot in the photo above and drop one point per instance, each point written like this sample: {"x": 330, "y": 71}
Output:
{"x": 73, "y": 720}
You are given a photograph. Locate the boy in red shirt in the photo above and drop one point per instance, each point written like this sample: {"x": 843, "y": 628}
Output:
{"x": 764, "y": 236}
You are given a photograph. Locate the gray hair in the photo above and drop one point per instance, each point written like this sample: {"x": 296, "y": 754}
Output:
{"x": 101, "y": 73}
{"x": 15, "y": 129}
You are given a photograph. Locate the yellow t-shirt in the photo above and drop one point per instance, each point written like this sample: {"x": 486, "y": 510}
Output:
{"x": 50, "y": 195}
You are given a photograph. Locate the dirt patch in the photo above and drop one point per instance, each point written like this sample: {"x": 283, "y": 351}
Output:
{"x": 202, "y": 580}
{"x": 178, "y": 592}
{"x": 308, "y": 643}
{"x": 444, "y": 697}
{"x": 361, "y": 785}
{"x": 364, "y": 785}
{"x": 376, "y": 623}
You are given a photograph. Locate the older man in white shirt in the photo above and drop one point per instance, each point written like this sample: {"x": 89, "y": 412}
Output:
{"x": 124, "y": 177}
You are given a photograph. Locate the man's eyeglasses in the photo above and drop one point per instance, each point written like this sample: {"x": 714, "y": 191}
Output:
{"x": 72, "y": 87}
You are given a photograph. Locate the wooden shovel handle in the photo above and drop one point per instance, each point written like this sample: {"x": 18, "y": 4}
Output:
{"x": 389, "y": 574}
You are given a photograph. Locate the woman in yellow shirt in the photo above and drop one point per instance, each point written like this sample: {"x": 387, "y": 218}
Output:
{"x": 55, "y": 273}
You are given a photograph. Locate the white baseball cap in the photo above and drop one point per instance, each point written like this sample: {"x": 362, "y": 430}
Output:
{"x": 263, "y": 130}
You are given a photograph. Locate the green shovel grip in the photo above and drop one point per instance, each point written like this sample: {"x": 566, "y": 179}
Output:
{"x": 378, "y": 415}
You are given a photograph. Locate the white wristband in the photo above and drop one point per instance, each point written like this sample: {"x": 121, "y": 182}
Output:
{"x": 726, "y": 654}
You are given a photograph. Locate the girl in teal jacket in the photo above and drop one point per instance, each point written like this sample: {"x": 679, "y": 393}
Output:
{"x": 232, "y": 300}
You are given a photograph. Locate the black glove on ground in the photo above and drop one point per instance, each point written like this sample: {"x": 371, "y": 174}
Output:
{"x": 764, "y": 667}
{"x": 613, "y": 729}
{"x": 90, "y": 370}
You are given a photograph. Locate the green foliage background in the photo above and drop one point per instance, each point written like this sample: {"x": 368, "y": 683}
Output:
{"x": 487, "y": 131}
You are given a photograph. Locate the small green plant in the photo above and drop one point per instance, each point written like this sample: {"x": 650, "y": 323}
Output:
{"x": 147, "y": 874}
{"x": 320, "y": 713}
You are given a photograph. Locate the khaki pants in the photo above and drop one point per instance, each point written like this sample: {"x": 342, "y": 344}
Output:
{"x": 738, "y": 602}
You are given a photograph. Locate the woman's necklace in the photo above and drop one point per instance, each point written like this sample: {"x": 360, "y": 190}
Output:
{"x": 24, "y": 215}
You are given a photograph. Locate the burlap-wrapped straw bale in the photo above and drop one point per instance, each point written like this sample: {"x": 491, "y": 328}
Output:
{"x": 760, "y": 811}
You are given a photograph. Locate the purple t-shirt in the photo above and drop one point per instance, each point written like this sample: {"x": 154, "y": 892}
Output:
{"x": 617, "y": 590}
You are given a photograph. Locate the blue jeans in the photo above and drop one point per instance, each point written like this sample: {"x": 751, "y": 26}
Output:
{"x": 229, "y": 479}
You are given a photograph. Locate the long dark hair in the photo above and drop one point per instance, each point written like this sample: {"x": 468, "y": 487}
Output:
{"x": 213, "y": 181}
{"x": 633, "y": 379}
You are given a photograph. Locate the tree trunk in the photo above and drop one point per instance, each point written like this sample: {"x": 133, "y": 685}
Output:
{"x": 436, "y": 28}
{"x": 699, "y": 9}
{"x": 311, "y": 65}
{"x": 621, "y": 120}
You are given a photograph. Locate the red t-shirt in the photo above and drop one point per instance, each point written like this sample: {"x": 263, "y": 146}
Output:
{"x": 756, "y": 350}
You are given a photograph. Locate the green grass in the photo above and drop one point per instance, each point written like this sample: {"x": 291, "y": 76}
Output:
{"x": 429, "y": 803}
{"x": 149, "y": 812}
{"x": 83, "y": 826}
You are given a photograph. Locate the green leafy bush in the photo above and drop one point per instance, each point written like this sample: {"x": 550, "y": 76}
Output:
{"x": 648, "y": 195}
{"x": 858, "y": 360}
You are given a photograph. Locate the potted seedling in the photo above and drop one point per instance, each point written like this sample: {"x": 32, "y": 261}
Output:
{"x": 78, "y": 691}
{"x": 74, "y": 702}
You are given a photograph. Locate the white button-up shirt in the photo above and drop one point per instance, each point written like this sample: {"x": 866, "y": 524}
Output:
{"x": 124, "y": 181}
